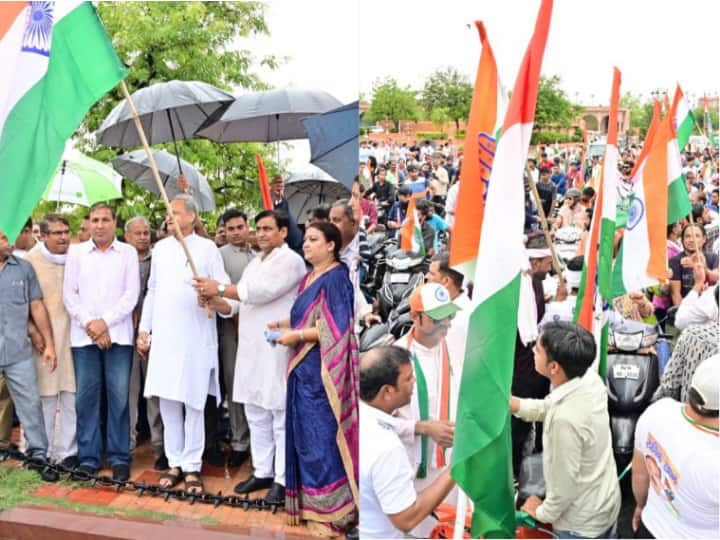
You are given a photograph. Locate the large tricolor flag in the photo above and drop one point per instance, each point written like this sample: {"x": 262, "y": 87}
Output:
{"x": 682, "y": 118}
{"x": 482, "y": 464}
{"x": 595, "y": 293}
{"x": 643, "y": 261}
{"x": 56, "y": 62}
{"x": 411, "y": 238}
{"x": 486, "y": 115}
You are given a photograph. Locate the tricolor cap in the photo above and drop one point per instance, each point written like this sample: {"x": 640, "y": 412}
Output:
{"x": 706, "y": 382}
{"x": 433, "y": 300}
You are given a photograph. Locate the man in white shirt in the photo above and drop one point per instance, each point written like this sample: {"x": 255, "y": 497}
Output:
{"x": 676, "y": 453}
{"x": 182, "y": 363}
{"x": 389, "y": 502}
{"x": 100, "y": 290}
{"x": 582, "y": 494}
{"x": 425, "y": 425}
{"x": 260, "y": 367}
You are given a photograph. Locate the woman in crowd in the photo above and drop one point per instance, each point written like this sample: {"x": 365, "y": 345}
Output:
{"x": 322, "y": 392}
{"x": 681, "y": 265}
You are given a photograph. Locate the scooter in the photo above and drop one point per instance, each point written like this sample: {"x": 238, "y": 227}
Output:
{"x": 404, "y": 273}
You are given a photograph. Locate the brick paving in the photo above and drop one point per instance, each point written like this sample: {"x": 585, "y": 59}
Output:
{"x": 253, "y": 522}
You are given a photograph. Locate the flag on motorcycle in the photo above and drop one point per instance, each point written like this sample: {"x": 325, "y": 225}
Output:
{"x": 57, "y": 61}
{"x": 482, "y": 464}
{"x": 683, "y": 119}
{"x": 595, "y": 294}
{"x": 411, "y": 238}
{"x": 484, "y": 122}
{"x": 643, "y": 261}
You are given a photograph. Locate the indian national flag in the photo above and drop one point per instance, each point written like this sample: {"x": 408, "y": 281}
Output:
{"x": 56, "y": 62}
{"x": 485, "y": 120}
{"x": 643, "y": 261}
{"x": 682, "y": 118}
{"x": 649, "y": 138}
{"x": 595, "y": 292}
{"x": 411, "y": 238}
{"x": 482, "y": 464}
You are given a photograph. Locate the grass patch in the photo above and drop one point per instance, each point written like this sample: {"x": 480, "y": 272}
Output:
{"x": 17, "y": 486}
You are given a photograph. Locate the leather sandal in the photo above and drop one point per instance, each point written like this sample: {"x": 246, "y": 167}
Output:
{"x": 173, "y": 478}
{"x": 192, "y": 485}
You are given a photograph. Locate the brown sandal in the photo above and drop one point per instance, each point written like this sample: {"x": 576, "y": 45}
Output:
{"x": 191, "y": 485}
{"x": 173, "y": 478}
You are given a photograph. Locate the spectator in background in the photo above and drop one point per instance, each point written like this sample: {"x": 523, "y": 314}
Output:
{"x": 277, "y": 192}
{"x": 84, "y": 233}
{"x": 25, "y": 240}
{"x": 558, "y": 178}
{"x": 370, "y": 213}
{"x": 318, "y": 214}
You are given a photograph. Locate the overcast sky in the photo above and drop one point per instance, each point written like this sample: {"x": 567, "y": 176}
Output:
{"x": 653, "y": 43}
{"x": 321, "y": 40}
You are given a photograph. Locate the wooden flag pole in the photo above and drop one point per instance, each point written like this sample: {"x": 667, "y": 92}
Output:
{"x": 544, "y": 225}
{"x": 161, "y": 187}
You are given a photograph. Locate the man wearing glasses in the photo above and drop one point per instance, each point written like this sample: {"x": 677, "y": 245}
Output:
{"x": 424, "y": 425}
{"x": 57, "y": 388}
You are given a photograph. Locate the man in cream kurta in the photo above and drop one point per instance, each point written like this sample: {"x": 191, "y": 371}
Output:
{"x": 267, "y": 290}
{"x": 182, "y": 368}
{"x": 57, "y": 388}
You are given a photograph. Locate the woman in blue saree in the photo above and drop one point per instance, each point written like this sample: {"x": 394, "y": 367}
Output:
{"x": 322, "y": 392}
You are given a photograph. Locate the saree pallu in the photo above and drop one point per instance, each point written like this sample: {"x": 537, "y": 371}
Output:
{"x": 322, "y": 409}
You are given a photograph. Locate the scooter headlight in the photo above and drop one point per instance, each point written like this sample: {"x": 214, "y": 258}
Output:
{"x": 627, "y": 342}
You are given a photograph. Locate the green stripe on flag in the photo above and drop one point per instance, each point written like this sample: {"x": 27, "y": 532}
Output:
{"x": 83, "y": 66}
{"x": 684, "y": 130}
{"x": 678, "y": 201}
{"x": 482, "y": 454}
{"x": 618, "y": 286}
{"x": 605, "y": 257}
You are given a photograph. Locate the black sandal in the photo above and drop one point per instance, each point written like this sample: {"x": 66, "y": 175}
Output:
{"x": 190, "y": 484}
{"x": 173, "y": 478}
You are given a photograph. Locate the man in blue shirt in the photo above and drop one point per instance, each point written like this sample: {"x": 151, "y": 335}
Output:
{"x": 427, "y": 211}
{"x": 558, "y": 178}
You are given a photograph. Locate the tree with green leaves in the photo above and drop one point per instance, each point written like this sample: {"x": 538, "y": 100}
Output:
{"x": 554, "y": 109}
{"x": 640, "y": 113}
{"x": 162, "y": 41}
{"x": 391, "y": 102}
{"x": 439, "y": 116}
{"x": 450, "y": 90}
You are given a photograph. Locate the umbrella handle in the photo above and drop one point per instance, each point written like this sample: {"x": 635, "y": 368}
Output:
{"x": 62, "y": 177}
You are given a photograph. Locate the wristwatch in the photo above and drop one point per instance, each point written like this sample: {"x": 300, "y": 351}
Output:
{"x": 221, "y": 289}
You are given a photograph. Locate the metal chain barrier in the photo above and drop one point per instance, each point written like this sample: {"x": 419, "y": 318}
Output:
{"x": 141, "y": 488}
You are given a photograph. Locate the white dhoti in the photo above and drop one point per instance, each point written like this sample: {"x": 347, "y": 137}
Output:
{"x": 184, "y": 434}
{"x": 62, "y": 442}
{"x": 267, "y": 441}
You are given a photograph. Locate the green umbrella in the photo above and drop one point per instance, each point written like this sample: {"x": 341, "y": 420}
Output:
{"x": 83, "y": 180}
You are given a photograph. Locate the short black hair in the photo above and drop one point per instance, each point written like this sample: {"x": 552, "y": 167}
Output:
{"x": 234, "y": 213}
{"x": 411, "y": 168}
{"x": 331, "y": 234}
{"x": 385, "y": 370}
{"x": 28, "y": 224}
{"x": 423, "y": 206}
{"x": 703, "y": 232}
{"x": 544, "y": 170}
{"x": 52, "y": 218}
{"x": 443, "y": 260}
{"x": 99, "y": 206}
{"x": 280, "y": 216}
{"x": 570, "y": 345}
{"x": 321, "y": 212}
{"x": 697, "y": 210}
{"x": 588, "y": 191}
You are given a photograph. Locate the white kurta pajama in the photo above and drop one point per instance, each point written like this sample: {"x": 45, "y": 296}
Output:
{"x": 267, "y": 290}
{"x": 182, "y": 366}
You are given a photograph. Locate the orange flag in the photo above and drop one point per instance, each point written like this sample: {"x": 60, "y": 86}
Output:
{"x": 647, "y": 144}
{"x": 486, "y": 115}
{"x": 264, "y": 187}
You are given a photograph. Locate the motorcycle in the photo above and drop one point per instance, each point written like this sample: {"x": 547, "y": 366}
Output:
{"x": 404, "y": 273}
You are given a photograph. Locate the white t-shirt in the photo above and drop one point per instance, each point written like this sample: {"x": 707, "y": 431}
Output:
{"x": 684, "y": 468}
{"x": 386, "y": 476}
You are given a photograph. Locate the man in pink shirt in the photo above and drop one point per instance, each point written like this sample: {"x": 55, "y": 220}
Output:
{"x": 100, "y": 290}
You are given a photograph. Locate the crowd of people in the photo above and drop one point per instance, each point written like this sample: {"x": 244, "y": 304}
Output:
{"x": 559, "y": 402}
{"x": 263, "y": 319}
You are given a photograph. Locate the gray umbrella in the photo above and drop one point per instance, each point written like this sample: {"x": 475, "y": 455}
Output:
{"x": 306, "y": 190}
{"x": 135, "y": 166}
{"x": 272, "y": 115}
{"x": 169, "y": 111}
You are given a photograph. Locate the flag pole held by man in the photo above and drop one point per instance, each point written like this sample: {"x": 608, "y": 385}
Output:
{"x": 57, "y": 62}
{"x": 481, "y": 458}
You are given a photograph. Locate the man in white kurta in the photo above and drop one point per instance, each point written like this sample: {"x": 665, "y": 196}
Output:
{"x": 267, "y": 291}
{"x": 182, "y": 368}
{"x": 431, "y": 310}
